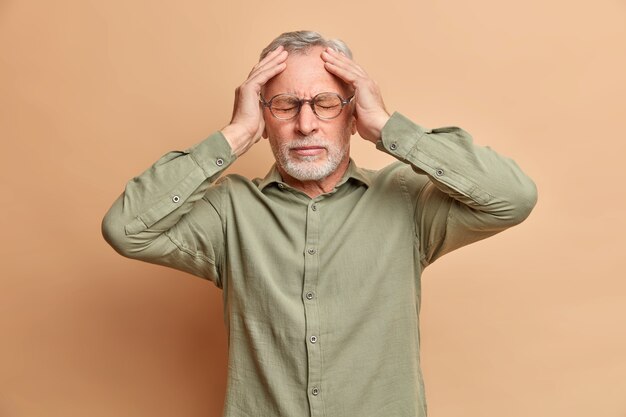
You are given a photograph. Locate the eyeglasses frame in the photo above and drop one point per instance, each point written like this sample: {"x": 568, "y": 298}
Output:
{"x": 301, "y": 101}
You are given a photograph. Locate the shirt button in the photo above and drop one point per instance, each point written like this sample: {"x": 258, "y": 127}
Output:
{"x": 311, "y": 251}
{"x": 176, "y": 199}
{"x": 439, "y": 172}
{"x": 219, "y": 162}
{"x": 314, "y": 207}
{"x": 315, "y": 391}
{"x": 309, "y": 295}
{"x": 281, "y": 186}
{"x": 313, "y": 339}
{"x": 393, "y": 146}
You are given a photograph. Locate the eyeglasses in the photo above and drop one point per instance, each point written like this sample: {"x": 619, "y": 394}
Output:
{"x": 324, "y": 105}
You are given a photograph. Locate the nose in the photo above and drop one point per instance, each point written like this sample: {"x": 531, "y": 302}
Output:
{"x": 306, "y": 121}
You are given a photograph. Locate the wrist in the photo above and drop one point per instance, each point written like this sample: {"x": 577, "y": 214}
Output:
{"x": 377, "y": 126}
{"x": 237, "y": 137}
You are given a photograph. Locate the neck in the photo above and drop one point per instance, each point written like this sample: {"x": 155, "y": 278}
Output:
{"x": 314, "y": 188}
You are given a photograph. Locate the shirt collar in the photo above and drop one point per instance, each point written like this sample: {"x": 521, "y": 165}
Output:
{"x": 353, "y": 172}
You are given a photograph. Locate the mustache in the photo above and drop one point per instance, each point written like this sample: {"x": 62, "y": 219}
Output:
{"x": 306, "y": 141}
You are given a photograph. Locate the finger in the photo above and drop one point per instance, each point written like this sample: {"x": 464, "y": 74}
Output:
{"x": 341, "y": 60}
{"x": 270, "y": 56}
{"x": 276, "y": 61}
{"x": 346, "y": 74}
{"x": 277, "y": 54}
{"x": 262, "y": 76}
{"x": 347, "y": 68}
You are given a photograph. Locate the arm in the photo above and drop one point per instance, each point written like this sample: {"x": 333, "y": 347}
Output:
{"x": 470, "y": 192}
{"x": 157, "y": 217}
{"x": 170, "y": 214}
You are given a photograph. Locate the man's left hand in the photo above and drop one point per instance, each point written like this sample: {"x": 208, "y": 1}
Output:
{"x": 370, "y": 111}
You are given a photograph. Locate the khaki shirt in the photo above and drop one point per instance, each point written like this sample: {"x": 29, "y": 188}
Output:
{"x": 321, "y": 295}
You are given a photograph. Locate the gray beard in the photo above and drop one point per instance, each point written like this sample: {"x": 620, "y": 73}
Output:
{"x": 309, "y": 168}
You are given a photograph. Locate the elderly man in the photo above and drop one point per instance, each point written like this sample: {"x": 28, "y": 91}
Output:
{"x": 320, "y": 261}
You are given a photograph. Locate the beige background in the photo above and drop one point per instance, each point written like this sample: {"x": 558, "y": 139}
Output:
{"x": 529, "y": 323}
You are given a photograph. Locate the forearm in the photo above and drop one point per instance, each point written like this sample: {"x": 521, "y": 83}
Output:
{"x": 475, "y": 176}
{"x": 154, "y": 203}
{"x": 470, "y": 191}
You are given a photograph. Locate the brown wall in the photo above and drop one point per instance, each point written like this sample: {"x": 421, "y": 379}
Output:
{"x": 531, "y": 322}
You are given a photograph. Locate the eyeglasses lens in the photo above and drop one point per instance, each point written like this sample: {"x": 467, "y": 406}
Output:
{"x": 327, "y": 105}
{"x": 286, "y": 106}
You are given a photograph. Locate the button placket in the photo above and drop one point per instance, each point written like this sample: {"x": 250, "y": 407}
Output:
{"x": 311, "y": 307}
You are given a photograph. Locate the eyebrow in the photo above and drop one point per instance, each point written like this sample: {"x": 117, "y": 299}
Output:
{"x": 291, "y": 92}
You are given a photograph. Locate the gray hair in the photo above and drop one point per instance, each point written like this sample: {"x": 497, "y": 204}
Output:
{"x": 302, "y": 40}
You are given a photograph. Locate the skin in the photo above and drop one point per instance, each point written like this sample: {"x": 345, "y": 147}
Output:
{"x": 305, "y": 75}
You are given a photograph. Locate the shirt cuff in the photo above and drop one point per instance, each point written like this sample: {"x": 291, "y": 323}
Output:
{"x": 213, "y": 154}
{"x": 400, "y": 136}
{"x": 446, "y": 155}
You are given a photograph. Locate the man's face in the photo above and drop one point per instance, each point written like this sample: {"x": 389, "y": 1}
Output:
{"x": 306, "y": 147}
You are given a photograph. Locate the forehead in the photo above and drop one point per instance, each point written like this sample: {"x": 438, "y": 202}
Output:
{"x": 305, "y": 76}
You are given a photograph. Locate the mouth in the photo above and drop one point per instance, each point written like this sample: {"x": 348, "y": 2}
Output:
{"x": 308, "y": 150}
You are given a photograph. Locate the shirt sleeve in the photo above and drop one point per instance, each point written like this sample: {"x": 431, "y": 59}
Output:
{"x": 170, "y": 214}
{"x": 471, "y": 192}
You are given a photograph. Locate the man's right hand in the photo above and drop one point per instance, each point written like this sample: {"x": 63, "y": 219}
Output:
{"x": 246, "y": 125}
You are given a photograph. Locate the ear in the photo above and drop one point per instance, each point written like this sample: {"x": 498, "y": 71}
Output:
{"x": 264, "y": 134}
{"x": 353, "y": 125}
